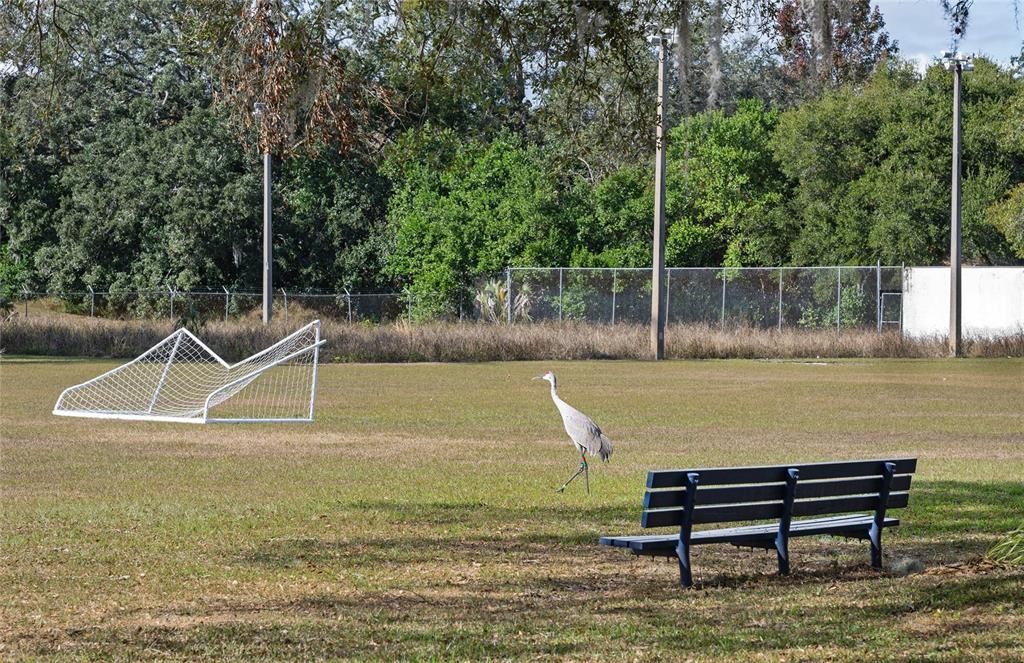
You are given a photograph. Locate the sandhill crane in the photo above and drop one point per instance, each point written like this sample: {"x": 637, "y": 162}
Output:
{"x": 582, "y": 430}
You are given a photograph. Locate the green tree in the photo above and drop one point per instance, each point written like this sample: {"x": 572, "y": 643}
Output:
{"x": 617, "y": 233}
{"x": 726, "y": 191}
{"x": 464, "y": 210}
{"x": 150, "y": 208}
{"x": 1008, "y": 216}
{"x": 12, "y": 278}
{"x": 87, "y": 82}
{"x": 872, "y": 168}
{"x": 331, "y": 232}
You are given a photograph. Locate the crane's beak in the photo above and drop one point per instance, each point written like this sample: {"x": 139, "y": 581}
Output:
{"x": 539, "y": 377}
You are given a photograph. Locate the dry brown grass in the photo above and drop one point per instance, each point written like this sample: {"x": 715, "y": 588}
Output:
{"x": 65, "y": 335}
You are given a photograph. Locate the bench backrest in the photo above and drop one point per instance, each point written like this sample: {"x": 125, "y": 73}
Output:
{"x": 731, "y": 494}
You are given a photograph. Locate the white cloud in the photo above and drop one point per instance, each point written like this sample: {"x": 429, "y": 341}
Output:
{"x": 993, "y": 30}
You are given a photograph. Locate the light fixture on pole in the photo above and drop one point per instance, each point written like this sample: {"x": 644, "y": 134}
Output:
{"x": 958, "y": 64}
{"x": 259, "y": 110}
{"x": 658, "y": 299}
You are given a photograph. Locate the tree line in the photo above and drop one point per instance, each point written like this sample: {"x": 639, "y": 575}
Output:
{"x": 420, "y": 145}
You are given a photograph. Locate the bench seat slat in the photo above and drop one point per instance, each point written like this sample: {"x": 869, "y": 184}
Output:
{"x": 751, "y": 534}
{"x": 767, "y": 510}
{"x": 777, "y": 473}
{"x": 773, "y": 492}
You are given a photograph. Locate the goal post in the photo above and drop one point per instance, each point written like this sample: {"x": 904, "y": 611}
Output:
{"x": 181, "y": 379}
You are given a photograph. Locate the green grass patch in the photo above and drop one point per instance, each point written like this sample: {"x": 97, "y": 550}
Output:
{"x": 417, "y": 518}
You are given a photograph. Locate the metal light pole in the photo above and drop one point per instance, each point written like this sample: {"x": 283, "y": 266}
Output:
{"x": 268, "y": 245}
{"x": 658, "y": 298}
{"x": 957, "y": 64}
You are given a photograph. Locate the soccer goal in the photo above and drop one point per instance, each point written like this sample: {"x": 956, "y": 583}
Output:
{"x": 181, "y": 379}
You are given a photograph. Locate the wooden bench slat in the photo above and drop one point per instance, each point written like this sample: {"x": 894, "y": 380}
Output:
{"x": 768, "y": 510}
{"x": 772, "y": 492}
{"x": 777, "y": 473}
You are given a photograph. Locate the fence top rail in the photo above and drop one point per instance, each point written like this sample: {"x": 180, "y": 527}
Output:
{"x": 704, "y": 269}
{"x": 201, "y": 293}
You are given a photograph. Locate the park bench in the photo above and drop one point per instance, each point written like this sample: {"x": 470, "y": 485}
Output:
{"x": 781, "y": 493}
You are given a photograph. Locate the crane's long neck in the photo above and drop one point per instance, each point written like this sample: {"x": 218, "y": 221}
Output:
{"x": 559, "y": 403}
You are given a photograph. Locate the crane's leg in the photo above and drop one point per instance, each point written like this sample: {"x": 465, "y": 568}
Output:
{"x": 581, "y": 470}
{"x": 586, "y": 471}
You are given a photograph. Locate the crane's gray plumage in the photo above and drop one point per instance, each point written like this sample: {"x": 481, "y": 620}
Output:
{"x": 582, "y": 430}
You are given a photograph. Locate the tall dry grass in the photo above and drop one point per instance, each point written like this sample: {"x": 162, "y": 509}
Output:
{"x": 62, "y": 335}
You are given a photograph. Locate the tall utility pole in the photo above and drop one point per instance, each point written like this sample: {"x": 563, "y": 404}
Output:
{"x": 658, "y": 298}
{"x": 268, "y": 244}
{"x": 957, "y": 64}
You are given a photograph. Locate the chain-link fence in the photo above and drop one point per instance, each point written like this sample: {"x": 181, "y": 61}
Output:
{"x": 728, "y": 298}
{"x": 209, "y": 304}
{"x": 757, "y": 297}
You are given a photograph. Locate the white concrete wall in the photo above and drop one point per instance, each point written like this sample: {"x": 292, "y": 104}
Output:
{"x": 992, "y": 301}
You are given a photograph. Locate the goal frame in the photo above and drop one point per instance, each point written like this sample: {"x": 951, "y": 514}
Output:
{"x": 205, "y": 417}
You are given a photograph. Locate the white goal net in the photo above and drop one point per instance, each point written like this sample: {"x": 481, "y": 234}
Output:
{"x": 181, "y": 379}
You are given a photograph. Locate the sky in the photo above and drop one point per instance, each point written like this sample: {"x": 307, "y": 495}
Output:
{"x": 994, "y": 29}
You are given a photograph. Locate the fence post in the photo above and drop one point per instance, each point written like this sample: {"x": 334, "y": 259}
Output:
{"x": 615, "y": 276}
{"x": 508, "y": 295}
{"x": 559, "y": 294}
{"x": 668, "y": 294}
{"x": 723, "y": 301}
{"x": 25, "y": 293}
{"x": 903, "y": 287}
{"x": 92, "y": 302}
{"x": 878, "y": 294}
{"x": 171, "y": 293}
{"x": 285, "y": 294}
{"x": 780, "y": 298}
{"x": 839, "y": 294}
{"x": 227, "y": 301}
{"x": 348, "y": 301}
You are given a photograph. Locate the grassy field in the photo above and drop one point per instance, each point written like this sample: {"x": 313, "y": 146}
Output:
{"x": 417, "y": 518}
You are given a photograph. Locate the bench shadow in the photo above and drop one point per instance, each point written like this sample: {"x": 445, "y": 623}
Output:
{"x": 571, "y": 574}
{"x": 394, "y": 623}
{"x": 946, "y": 522}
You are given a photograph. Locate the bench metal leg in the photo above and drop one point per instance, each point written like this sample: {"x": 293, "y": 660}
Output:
{"x": 782, "y": 536}
{"x": 683, "y": 547}
{"x": 875, "y": 533}
{"x": 685, "y": 576}
{"x": 875, "y": 536}
{"x": 782, "y": 548}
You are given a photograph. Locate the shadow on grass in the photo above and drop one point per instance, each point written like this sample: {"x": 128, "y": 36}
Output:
{"x": 416, "y": 534}
{"x": 669, "y": 622}
{"x": 968, "y": 590}
{"x": 947, "y": 522}
{"x": 556, "y": 583}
